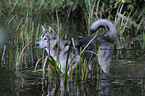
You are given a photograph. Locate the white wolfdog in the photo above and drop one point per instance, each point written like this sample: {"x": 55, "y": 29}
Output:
{"x": 51, "y": 41}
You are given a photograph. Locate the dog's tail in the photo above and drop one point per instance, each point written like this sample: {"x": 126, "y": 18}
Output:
{"x": 110, "y": 28}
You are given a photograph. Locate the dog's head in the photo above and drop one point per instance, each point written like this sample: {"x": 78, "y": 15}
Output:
{"x": 46, "y": 37}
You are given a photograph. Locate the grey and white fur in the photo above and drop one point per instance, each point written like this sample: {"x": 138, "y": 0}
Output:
{"x": 49, "y": 39}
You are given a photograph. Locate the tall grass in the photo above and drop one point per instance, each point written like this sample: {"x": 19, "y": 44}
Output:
{"x": 90, "y": 6}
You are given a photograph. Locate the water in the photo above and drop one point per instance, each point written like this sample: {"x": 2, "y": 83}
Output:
{"x": 127, "y": 72}
{"x": 19, "y": 85}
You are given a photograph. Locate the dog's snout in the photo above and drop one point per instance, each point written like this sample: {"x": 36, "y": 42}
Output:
{"x": 37, "y": 44}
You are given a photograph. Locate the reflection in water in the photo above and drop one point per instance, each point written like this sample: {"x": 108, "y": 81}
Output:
{"x": 7, "y": 86}
{"x": 101, "y": 87}
{"x": 105, "y": 88}
{"x": 12, "y": 85}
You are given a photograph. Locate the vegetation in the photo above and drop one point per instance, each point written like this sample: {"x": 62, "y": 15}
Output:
{"x": 128, "y": 17}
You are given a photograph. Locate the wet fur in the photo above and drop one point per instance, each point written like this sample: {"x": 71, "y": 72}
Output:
{"x": 105, "y": 45}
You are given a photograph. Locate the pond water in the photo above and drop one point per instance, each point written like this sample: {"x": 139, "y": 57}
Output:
{"x": 127, "y": 72}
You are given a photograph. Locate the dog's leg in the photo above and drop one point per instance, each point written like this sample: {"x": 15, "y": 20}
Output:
{"x": 105, "y": 56}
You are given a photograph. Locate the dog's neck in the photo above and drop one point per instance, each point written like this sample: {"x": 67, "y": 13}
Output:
{"x": 54, "y": 44}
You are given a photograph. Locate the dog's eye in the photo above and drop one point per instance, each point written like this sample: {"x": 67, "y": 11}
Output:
{"x": 45, "y": 38}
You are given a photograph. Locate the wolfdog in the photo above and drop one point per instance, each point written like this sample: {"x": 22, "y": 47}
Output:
{"x": 57, "y": 47}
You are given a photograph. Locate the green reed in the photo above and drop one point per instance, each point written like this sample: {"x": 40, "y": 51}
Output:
{"x": 3, "y": 54}
{"x": 90, "y": 6}
{"x": 121, "y": 23}
{"x": 66, "y": 68}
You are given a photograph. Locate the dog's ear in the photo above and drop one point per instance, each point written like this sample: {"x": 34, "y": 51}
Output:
{"x": 43, "y": 28}
{"x": 52, "y": 32}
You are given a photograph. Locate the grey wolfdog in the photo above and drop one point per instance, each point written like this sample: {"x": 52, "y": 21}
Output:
{"x": 50, "y": 41}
